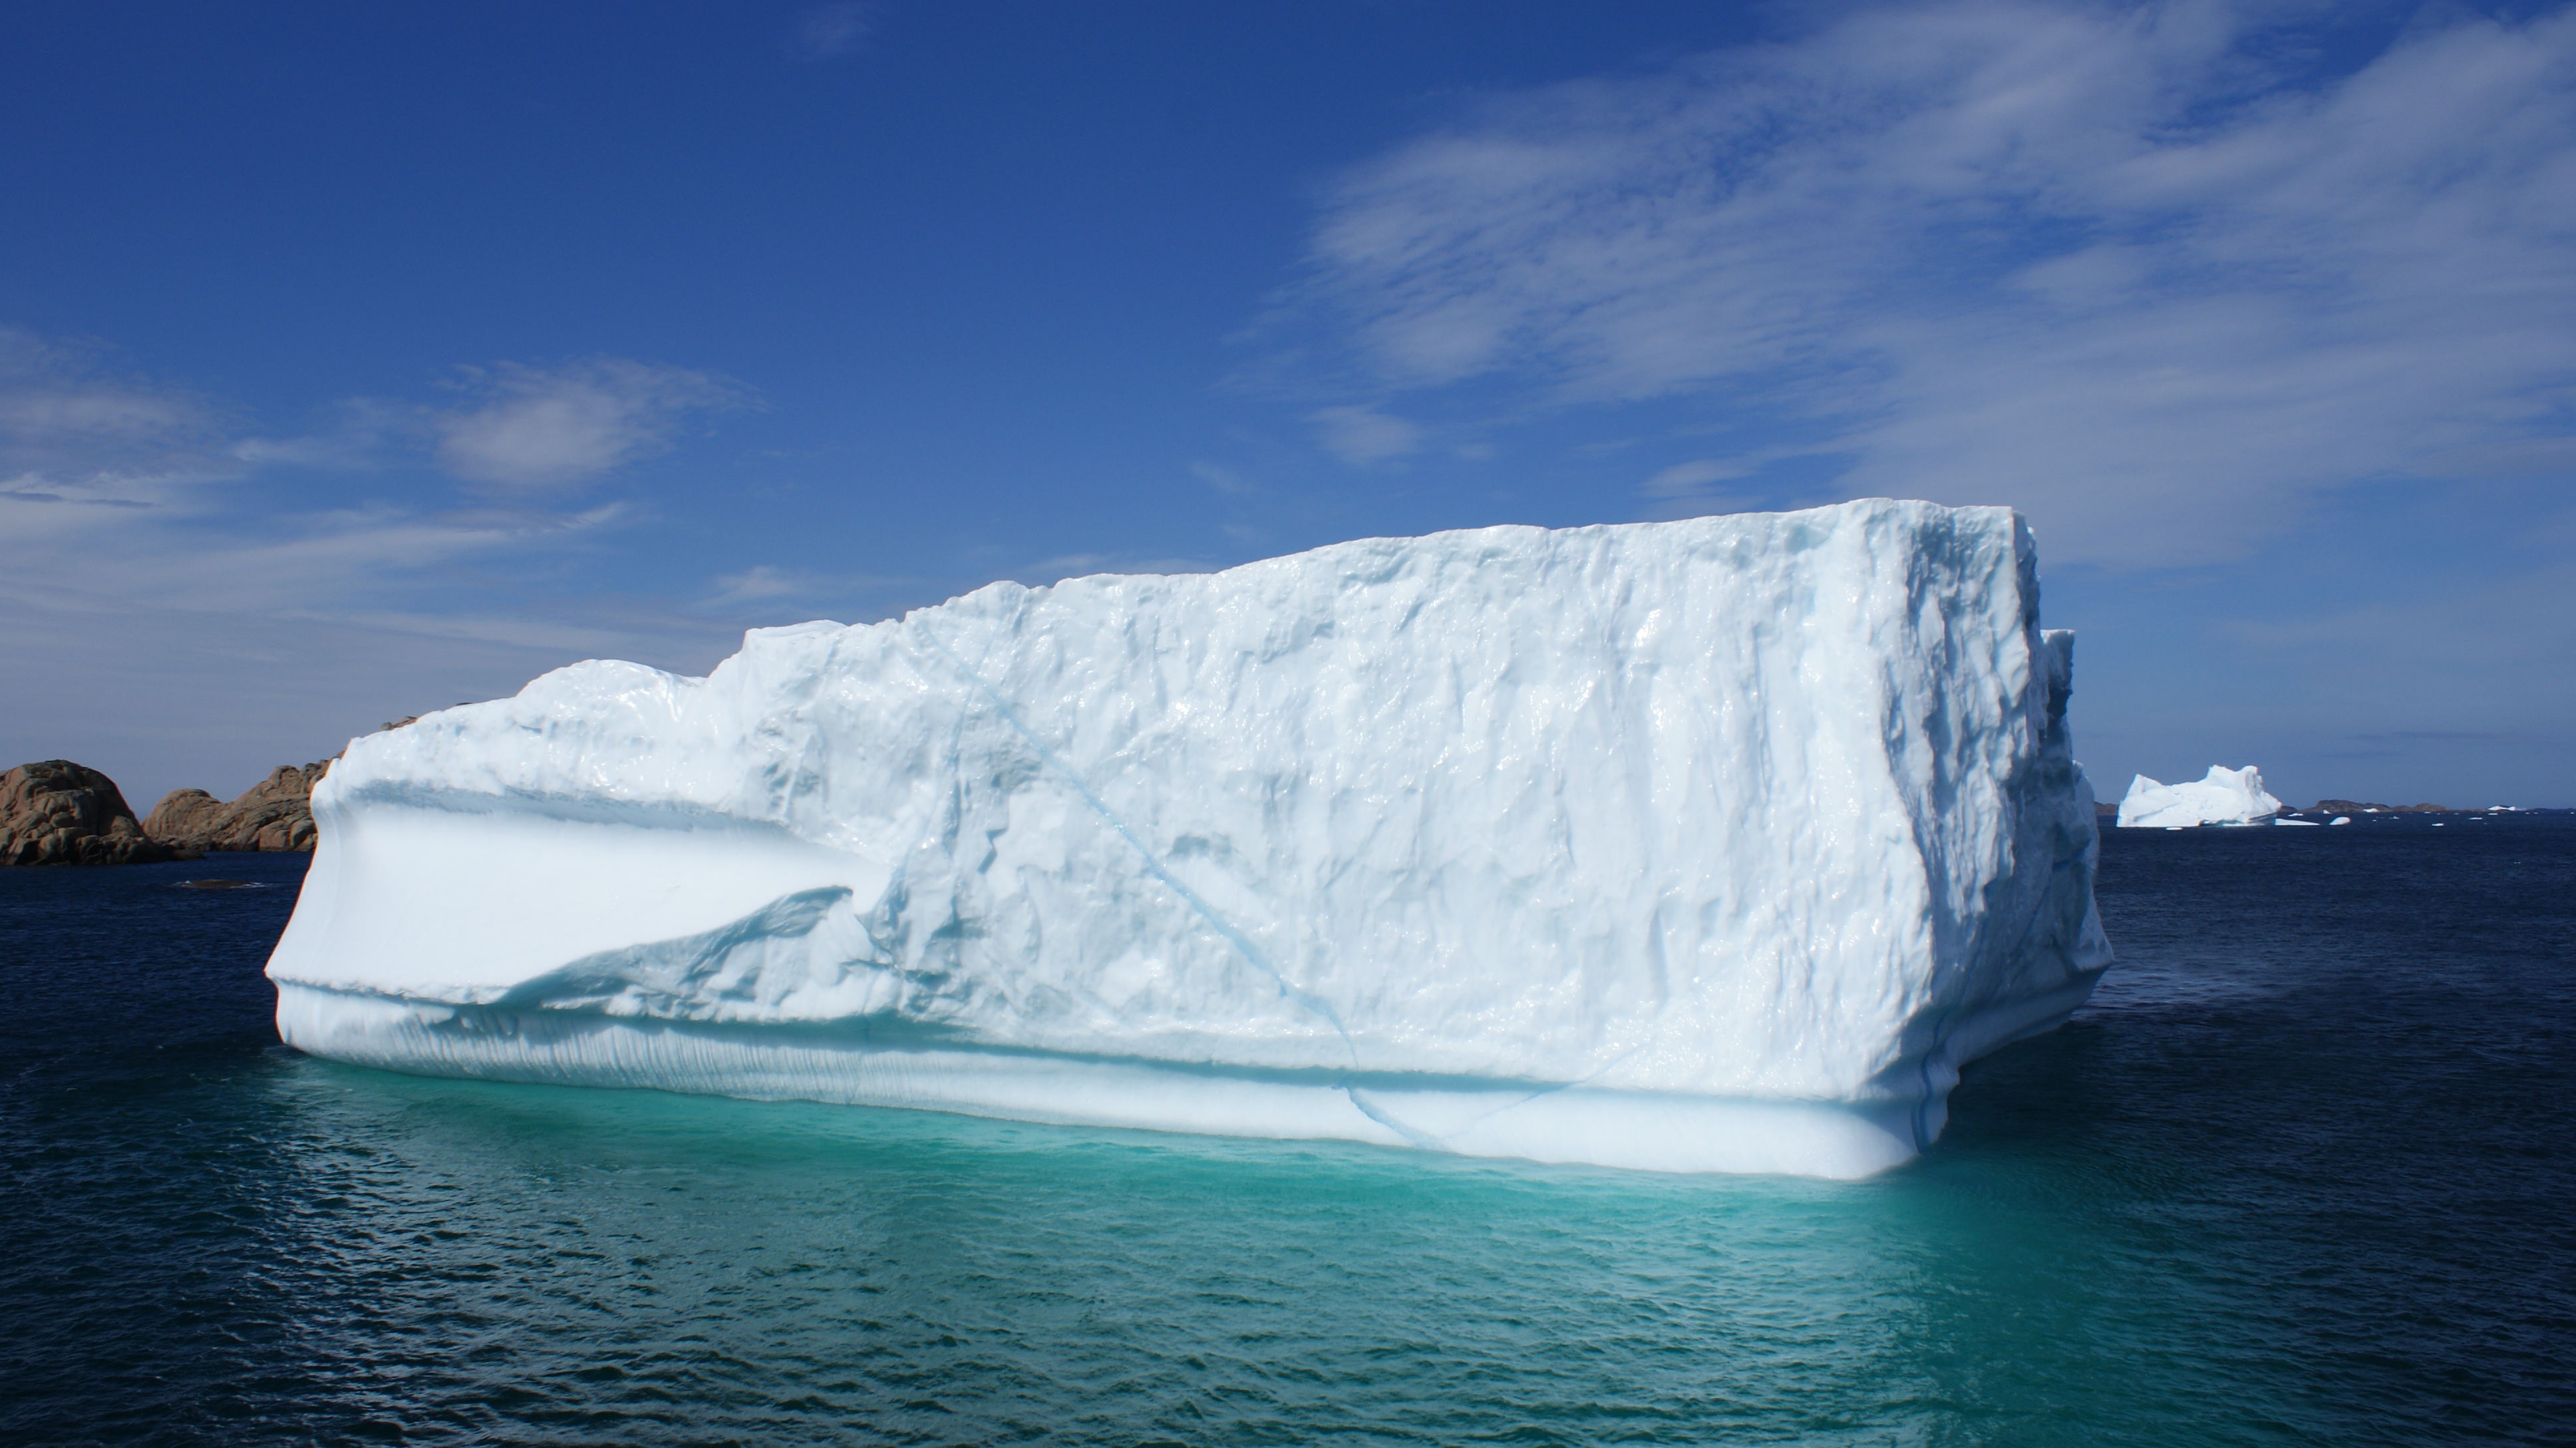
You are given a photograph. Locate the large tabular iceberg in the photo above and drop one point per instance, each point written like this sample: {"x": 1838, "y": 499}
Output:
{"x": 2225, "y": 797}
{"x": 1713, "y": 845}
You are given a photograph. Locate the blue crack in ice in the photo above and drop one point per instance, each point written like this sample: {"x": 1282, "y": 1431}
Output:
{"x": 1206, "y": 912}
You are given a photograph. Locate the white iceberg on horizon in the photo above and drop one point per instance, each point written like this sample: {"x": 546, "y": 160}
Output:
{"x": 1715, "y": 845}
{"x": 2225, "y": 797}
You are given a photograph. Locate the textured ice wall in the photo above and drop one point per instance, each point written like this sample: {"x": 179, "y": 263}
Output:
{"x": 1711, "y": 845}
{"x": 2225, "y": 797}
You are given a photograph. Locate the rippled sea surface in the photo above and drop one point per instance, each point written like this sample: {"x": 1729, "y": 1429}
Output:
{"x": 2304, "y": 1172}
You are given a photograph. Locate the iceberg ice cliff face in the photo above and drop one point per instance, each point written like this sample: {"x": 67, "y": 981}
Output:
{"x": 1711, "y": 845}
{"x": 2225, "y": 797}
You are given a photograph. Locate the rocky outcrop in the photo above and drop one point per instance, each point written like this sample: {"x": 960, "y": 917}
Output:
{"x": 2357, "y": 806}
{"x": 60, "y": 813}
{"x": 274, "y": 814}
{"x": 185, "y": 814}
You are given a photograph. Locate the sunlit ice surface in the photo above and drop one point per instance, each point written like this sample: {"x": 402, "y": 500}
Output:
{"x": 1716, "y": 845}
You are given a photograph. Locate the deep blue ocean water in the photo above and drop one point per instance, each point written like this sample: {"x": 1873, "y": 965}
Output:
{"x": 2305, "y": 1171}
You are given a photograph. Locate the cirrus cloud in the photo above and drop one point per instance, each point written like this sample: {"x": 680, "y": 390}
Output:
{"x": 1361, "y": 435}
{"x": 2112, "y": 263}
{"x": 74, "y": 431}
{"x": 536, "y": 428}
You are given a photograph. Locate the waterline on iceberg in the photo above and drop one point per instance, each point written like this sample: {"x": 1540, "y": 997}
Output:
{"x": 875, "y": 1064}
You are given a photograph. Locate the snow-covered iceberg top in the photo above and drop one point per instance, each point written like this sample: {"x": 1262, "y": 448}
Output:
{"x": 1711, "y": 845}
{"x": 2225, "y": 797}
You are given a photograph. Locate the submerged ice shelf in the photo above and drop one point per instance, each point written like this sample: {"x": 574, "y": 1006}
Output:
{"x": 1705, "y": 846}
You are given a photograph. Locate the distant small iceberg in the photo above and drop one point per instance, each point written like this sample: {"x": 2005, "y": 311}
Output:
{"x": 2225, "y": 797}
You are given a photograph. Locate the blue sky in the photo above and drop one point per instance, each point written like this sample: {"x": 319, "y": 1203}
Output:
{"x": 357, "y": 362}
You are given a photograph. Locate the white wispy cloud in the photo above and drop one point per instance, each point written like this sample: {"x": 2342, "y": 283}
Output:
{"x": 362, "y": 434}
{"x": 775, "y": 592}
{"x": 2108, "y": 263}
{"x": 1685, "y": 489}
{"x": 1224, "y": 479}
{"x": 202, "y": 644}
{"x": 537, "y": 428}
{"x": 215, "y": 600}
{"x": 826, "y": 31}
{"x": 266, "y": 564}
{"x": 73, "y": 431}
{"x": 1361, "y": 435}
{"x": 757, "y": 584}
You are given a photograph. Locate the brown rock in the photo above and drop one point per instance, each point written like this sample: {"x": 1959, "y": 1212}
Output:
{"x": 274, "y": 814}
{"x": 2363, "y": 806}
{"x": 184, "y": 814}
{"x": 60, "y": 813}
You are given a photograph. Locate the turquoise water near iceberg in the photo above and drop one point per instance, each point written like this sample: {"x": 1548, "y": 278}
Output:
{"x": 2301, "y": 1173}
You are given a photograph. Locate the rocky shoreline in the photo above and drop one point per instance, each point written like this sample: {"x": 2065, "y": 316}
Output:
{"x": 55, "y": 812}
{"x": 274, "y": 814}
